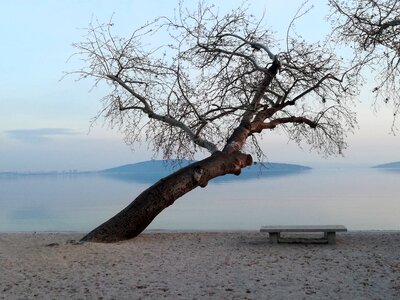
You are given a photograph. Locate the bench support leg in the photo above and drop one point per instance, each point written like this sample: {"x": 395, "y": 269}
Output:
{"x": 274, "y": 237}
{"x": 331, "y": 237}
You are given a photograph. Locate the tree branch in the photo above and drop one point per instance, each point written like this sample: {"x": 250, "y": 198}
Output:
{"x": 232, "y": 53}
{"x": 312, "y": 88}
{"x": 255, "y": 45}
{"x": 297, "y": 120}
{"x": 166, "y": 119}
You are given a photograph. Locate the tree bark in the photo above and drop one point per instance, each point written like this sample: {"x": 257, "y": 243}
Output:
{"x": 132, "y": 220}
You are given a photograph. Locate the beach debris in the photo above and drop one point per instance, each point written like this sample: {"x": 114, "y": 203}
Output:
{"x": 74, "y": 242}
{"x": 52, "y": 245}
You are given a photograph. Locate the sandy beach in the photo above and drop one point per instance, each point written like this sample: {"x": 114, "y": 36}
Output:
{"x": 199, "y": 265}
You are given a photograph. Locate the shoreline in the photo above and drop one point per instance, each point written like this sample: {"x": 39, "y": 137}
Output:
{"x": 160, "y": 230}
{"x": 199, "y": 265}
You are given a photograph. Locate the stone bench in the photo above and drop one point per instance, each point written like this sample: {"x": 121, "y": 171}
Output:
{"x": 328, "y": 230}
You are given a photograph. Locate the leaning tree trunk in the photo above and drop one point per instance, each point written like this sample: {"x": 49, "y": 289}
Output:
{"x": 132, "y": 220}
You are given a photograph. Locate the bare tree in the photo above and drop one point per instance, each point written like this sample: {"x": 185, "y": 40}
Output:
{"x": 214, "y": 85}
{"x": 372, "y": 28}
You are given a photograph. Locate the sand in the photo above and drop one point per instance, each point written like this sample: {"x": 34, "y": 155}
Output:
{"x": 199, "y": 265}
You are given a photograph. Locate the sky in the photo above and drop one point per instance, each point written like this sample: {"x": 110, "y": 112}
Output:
{"x": 45, "y": 122}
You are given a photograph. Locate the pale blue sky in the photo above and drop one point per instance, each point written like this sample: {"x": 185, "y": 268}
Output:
{"x": 45, "y": 123}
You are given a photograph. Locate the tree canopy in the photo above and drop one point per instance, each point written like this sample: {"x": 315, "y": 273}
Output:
{"x": 208, "y": 74}
{"x": 372, "y": 29}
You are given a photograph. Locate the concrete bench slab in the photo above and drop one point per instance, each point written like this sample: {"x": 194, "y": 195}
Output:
{"x": 328, "y": 230}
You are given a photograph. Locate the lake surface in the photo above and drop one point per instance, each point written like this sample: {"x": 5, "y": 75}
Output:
{"x": 359, "y": 198}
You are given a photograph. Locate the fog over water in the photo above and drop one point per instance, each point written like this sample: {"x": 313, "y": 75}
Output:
{"x": 359, "y": 198}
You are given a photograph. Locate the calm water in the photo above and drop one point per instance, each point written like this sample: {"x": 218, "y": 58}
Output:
{"x": 360, "y": 198}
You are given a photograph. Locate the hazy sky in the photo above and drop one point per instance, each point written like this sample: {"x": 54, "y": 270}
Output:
{"x": 45, "y": 122}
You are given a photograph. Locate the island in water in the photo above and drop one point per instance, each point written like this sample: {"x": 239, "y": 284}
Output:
{"x": 391, "y": 165}
{"x": 153, "y": 170}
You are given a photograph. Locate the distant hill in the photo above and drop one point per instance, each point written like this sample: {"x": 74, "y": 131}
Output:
{"x": 391, "y": 165}
{"x": 153, "y": 170}
{"x": 146, "y": 171}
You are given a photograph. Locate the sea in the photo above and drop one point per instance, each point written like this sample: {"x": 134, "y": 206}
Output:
{"x": 361, "y": 198}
